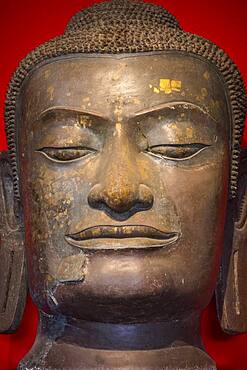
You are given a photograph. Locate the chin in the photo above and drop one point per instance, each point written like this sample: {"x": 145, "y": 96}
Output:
{"x": 119, "y": 288}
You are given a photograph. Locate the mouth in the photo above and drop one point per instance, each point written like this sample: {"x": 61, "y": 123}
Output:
{"x": 121, "y": 237}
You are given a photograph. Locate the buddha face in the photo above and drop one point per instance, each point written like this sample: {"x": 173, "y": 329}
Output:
{"x": 124, "y": 172}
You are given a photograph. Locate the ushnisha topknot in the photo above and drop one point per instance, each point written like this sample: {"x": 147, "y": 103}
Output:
{"x": 128, "y": 26}
{"x": 128, "y": 11}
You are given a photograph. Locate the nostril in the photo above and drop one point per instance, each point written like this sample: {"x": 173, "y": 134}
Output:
{"x": 94, "y": 196}
{"x": 145, "y": 196}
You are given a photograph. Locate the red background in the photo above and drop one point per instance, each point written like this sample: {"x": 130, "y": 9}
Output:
{"x": 27, "y": 23}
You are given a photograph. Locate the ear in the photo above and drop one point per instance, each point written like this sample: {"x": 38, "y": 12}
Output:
{"x": 13, "y": 287}
{"x": 231, "y": 292}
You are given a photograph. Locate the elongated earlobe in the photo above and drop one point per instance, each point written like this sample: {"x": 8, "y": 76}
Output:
{"x": 13, "y": 285}
{"x": 231, "y": 292}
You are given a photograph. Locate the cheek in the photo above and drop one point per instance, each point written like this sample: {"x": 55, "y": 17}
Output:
{"x": 201, "y": 199}
{"x": 53, "y": 202}
{"x": 200, "y": 196}
{"x": 54, "y": 198}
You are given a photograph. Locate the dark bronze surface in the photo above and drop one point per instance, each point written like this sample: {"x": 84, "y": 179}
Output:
{"x": 108, "y": 157}
{"x": 127, "y": 182}
{"x": 125, "y": 167}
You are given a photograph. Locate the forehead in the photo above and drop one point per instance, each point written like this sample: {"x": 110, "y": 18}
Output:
{"x": 131, "y": 83}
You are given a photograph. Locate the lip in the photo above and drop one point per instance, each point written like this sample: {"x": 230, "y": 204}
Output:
{"x": 121, "y": 237}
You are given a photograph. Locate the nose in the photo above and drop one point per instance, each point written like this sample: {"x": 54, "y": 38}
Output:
{"x": 120, "y": 192}
{"x": 120, "y": 201}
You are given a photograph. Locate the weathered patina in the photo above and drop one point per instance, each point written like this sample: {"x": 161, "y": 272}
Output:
{"x": 125, "y": 175}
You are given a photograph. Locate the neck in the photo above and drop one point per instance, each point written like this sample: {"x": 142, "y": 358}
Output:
{"x": 88, "y": 345}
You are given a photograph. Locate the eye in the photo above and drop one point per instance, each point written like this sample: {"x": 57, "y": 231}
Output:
{"x": 68, "y": 154}
{"x": 177, "y": 152}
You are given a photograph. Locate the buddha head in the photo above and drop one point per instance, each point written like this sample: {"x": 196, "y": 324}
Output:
{"x": 124, "y": 180}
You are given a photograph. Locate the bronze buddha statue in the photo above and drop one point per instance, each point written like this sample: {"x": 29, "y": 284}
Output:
{"x": 124, "y": 193}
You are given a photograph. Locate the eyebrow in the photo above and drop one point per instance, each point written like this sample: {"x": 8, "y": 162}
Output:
{"x": 172, "y": 105}
{"x": 60, "y": 109}
{"x": 153, "y": 109}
